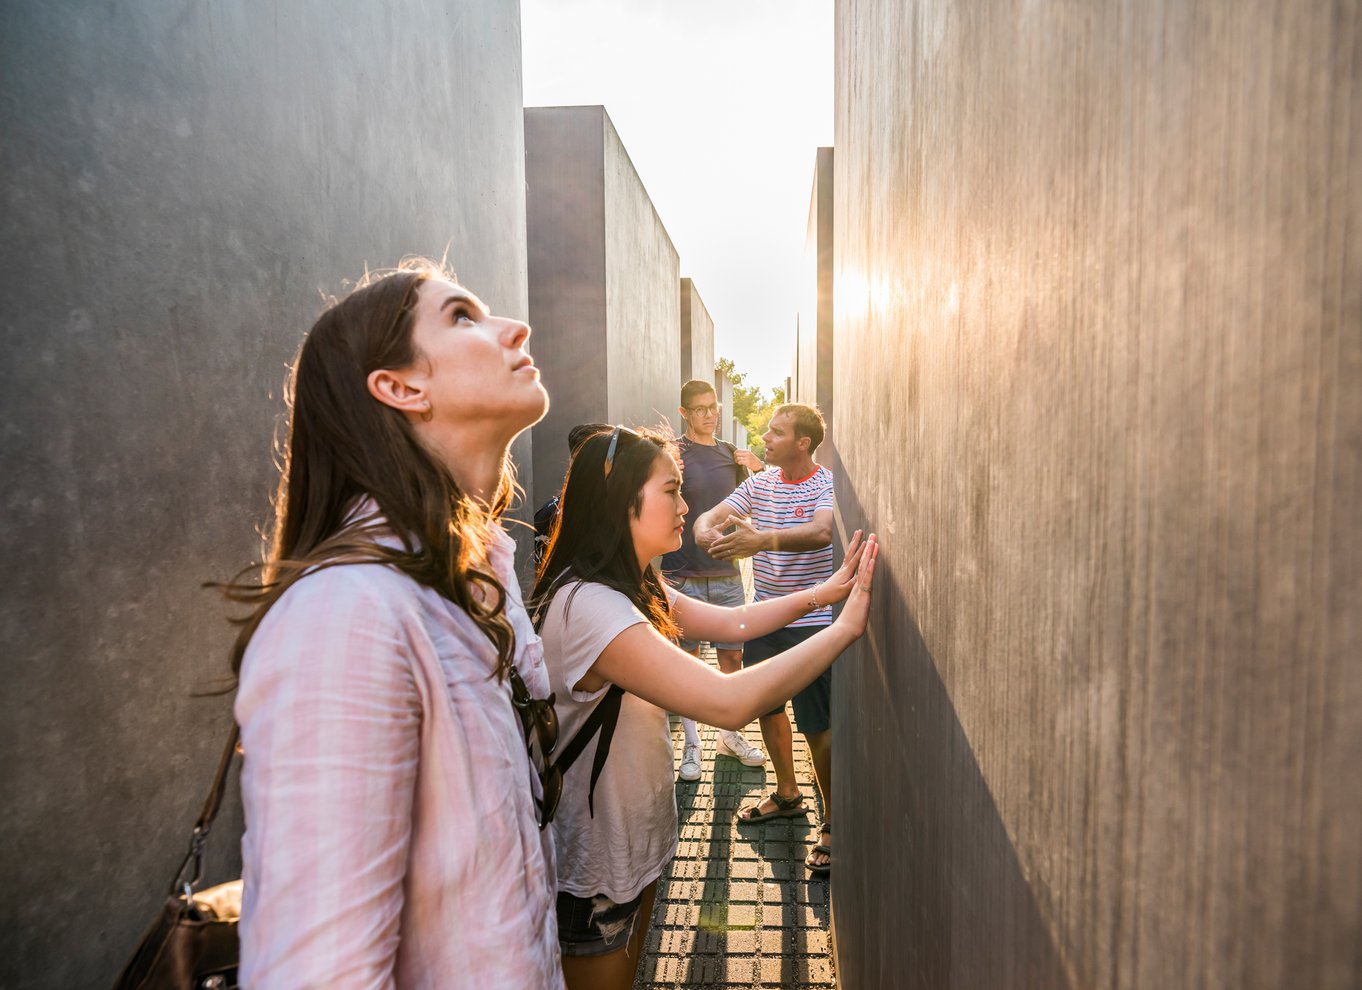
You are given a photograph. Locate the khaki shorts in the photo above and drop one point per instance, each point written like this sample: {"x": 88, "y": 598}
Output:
{"x": 726, "y": 591}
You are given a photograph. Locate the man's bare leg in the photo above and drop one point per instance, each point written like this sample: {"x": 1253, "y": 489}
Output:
{"x": 779, "y": 739}
{"x": 820, "y": 752}
{"x": 691, "y": 751}
{"x": 730, "y": 661}
{"x": 735, "y": 742}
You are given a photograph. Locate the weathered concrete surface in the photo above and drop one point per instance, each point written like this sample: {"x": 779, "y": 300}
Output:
{"x": 603, "y": 278}
{"x": 723, "y": 391}
{"x": 697, "y": 334}
{"x": 697, "y": 343}
{"x": 181, "y": 182}
{"x": 1099, "y": 388}
{"x": 814, "y": 351}
{"x": 739, "y": 434}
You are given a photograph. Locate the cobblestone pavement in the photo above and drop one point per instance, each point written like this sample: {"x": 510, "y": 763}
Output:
{"x": 737, "y": 908}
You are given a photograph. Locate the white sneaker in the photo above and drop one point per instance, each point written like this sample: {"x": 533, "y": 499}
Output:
{"x": 690, "y": 762}
{"x": 735, "y": 744}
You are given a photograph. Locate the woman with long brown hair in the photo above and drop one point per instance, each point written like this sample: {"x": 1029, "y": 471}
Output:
{"x": 609, "y": 625}
{"x": 388, "y": 671}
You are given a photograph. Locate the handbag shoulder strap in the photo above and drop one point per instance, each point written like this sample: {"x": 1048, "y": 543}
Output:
{"x": 211, "y": 805}
{"x": 603, "y": 718}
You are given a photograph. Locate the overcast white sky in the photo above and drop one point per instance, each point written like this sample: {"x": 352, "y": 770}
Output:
{"x": 721, "y": 105}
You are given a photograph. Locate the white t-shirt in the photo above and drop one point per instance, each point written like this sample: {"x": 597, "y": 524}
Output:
{"x": 633, "y": 834}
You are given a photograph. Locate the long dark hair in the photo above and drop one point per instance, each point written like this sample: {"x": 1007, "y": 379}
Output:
{"x": 591, "y": 540}
{"x": 344, "y": 446}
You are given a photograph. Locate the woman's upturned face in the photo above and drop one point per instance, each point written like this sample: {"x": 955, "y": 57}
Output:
{"x": 473, "y": 366}
{"x": 657, "y": 527}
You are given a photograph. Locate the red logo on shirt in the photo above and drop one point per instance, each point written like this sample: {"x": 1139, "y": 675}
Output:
{"x": 799, "y": 512}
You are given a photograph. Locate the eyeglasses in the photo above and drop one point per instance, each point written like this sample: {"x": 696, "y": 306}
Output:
{"x": 614, "y": 441}
{"x": 713, "y": 410}
{"x": 537, "y": 715}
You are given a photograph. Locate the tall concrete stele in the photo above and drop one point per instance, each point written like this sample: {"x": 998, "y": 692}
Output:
{"x": 723, "y": 389}
{"x": 1098, "y": 387}
{"x": 813, "y": 365}
{"x": 178, "y": 197}
{"x": 739, "y": 435}
{"x": 603, "y": 278}
{"x": 697, "y": 341}
{"x": 697, "y": 334}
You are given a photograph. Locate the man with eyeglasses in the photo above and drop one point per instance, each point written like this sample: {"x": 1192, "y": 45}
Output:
{"x": 710, "y": 469}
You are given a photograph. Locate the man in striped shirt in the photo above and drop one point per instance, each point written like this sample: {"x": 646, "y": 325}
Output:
{"x": 789, "y": 537}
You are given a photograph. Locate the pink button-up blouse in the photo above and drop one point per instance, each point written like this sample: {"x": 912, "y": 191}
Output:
{"x": 391, "y": 837}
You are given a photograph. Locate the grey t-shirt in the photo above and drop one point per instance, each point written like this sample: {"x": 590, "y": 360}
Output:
{"x": 708, "y": 474}
{"x": 633, "y": 835}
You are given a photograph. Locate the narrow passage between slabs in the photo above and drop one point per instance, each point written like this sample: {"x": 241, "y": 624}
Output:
{"x": 737, "y": 908}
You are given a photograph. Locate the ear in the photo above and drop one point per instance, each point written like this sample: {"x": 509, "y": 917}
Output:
{"x": 392, "y": 388}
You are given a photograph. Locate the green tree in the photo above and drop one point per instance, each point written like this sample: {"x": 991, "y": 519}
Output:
{"x": 751, "y": 408}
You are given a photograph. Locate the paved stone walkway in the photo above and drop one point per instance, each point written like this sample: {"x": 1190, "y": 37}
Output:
{"x": 737, "y": 907}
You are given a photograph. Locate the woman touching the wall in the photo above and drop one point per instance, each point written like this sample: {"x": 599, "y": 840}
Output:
{"x": 609, "y": 625}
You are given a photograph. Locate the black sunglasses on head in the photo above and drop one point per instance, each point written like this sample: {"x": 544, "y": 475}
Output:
{"x": 538, "y": 716}
{"x": 614, "y": 441}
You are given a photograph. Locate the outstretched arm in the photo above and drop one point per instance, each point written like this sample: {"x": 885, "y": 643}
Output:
{"x": 717, "y": 624}
{"x": 747, "y": 539}
{"x": 709, "y": 526}
{"x": 643, "y": 663}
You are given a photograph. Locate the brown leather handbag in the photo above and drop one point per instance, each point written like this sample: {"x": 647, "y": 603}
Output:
{"x": 192, "y": 944}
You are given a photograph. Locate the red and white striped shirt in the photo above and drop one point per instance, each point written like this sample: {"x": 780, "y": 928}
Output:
{"x": 776, "y": 503}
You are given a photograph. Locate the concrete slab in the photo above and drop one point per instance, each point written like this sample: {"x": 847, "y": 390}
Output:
{"x": 723, "y": 390}
{"x": 603, "y": 277}
{"x": 813, "y": 351}
{"x": 1099, "y": 390}
{"x": 182, "y": 183}
{"x": 697, "y": 334}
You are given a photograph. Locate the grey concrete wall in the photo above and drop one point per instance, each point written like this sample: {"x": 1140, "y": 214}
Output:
{"x": 565, "y": 221}
{"x": 814, "y": 358}
{"x": 181, "y": 183}
{"x": 723, "y": 391}
{"x": 643, "y": 309}
{"x": 1099, "y": 388}
{"x": 697, "y": 334}
{"x": 739, "y": 434}
{"x": 603, "y": 278}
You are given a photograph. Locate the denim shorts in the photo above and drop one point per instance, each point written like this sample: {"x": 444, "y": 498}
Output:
{"x": 594, "y": 926}
{"x": 726, "y": 591}
{"x": 813, "y": 705}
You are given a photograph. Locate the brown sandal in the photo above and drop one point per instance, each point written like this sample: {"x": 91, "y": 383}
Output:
{"x": 820, "y": 869}
{"x": 785, "y": 808}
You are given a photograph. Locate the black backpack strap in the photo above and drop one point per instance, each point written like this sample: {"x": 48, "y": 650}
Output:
{"x": 603, "y": 718}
